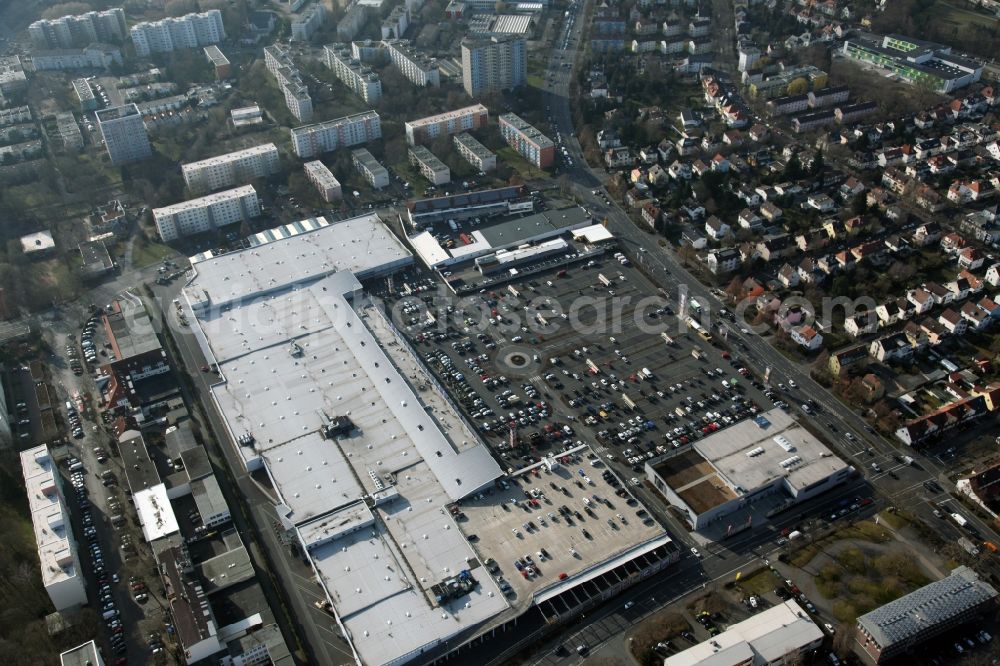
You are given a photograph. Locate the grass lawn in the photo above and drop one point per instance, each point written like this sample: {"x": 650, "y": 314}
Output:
{"x": 536, "y": 80}
{"x": 864, "y": 531}
{"x": 526, "y": 170}
{"x": 759, "y": 583}
{"x": 894, "y": 519}
{"x": 859, "y": 581}
{"x": 145, "y": 253}
{"x": 962, "y": 18}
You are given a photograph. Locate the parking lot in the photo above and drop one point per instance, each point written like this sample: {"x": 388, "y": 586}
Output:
{"x": 593, "y": 353}
{"x": 551, "y": 522}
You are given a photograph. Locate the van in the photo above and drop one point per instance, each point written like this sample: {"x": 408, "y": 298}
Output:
{"x": 110, "y": 614}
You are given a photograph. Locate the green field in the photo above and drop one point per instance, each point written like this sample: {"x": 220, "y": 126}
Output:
{"x": 960, "y": 18}
{"x": 519, "y": 164}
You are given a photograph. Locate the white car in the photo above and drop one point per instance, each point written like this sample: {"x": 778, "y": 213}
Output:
{"x": 694, "y": 551}
{"x": 792, "y": 384}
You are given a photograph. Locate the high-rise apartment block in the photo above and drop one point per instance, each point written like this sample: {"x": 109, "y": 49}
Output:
{"x": 62, "y": 575}
{"x": 357, "y": 76}
{"x": 305, "y": 25}
{"x": 124, "y": 134}
{"x": 527, "y": 141}
{"x": 182, "y": 32}
{"x": 324, "y": 180}
{"x": 427, "y": 129}
{"x": 69, "y": 32}
{"x": 196, "y": 216}
{"x": 279, "y": 63}
{"x": 232, "y": 168}
{"x": 493, "y": 64}
{"x": 311, "y": 140}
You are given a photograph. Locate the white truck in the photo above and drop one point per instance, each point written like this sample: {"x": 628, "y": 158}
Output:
{"x": 959, "y": 519}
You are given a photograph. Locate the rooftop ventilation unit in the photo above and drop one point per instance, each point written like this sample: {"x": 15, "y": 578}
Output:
{"x": 789, "y": 462}
{"x": 783, "y": 442}
{"x": 753, "y": 453}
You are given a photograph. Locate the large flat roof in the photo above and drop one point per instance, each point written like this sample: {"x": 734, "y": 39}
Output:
{"x": 155, "y": 512}
{"x": 771, "y": 634}
{"x": 520, "y": 229}
{"x": 931, "y": 605}
{"x": 781, "y": 437}
{"x": 81, "y": 655}
{"x": 361, "y": 245}
{"x": 129, "y": 328}
{"x": 49, "y": 518}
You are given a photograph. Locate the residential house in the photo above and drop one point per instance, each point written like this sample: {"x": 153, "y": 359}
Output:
{"x": 748, "y": 219}
{"x": 679, "y": 170}
{"x": 942, "y": 420}
{"x": 720, "y": 163}
{"x": 890, "y": 348}
{"x": 657, "y": 176}
{"x": 930, "y": 199}
{"x": 860, "y": 324}
{"x": 807, "y": 336}
{"x": 952, "y": 243}
{"x": 927, "y": 234}
{"x": 962, "y": 192}
{"x": 870, "y": 251}
{"x": 760, "y": 133}
{"x": 722, "y": 261}
{"x": 971, "y": 258}
{"x": 811, "y": 240}
{"x": 953, "y": 322}
{"x": 895, "y": 180}
{"x": 788, "y": 276}
{"x": 921, "y": 299}
{"x": 716, "y": 229}
{"x": 807, "y": 270}
{"x": 842, "y": 359}
{"x": 618, "y": 157}
{"x": 891, "y": 312}
{"x": 851, "y": 188}
{"x": 651, "y": 215}
{"x": 775, "y": 246}
{"x": 977, "y": 318}
{"x": 770, "y": 212}
{"x": 993, "y": 275}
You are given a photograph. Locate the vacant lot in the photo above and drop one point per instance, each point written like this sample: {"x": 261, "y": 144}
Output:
{"x": 859, "y": 577}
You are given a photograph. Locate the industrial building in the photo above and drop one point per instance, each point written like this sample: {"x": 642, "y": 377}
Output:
{"x": 901, "y": 625}
{"x": 427, "y": 129}
{"x": 915, "y": 60}
{"x": 311, "y": 140}
{"x": 748, "y": 468}
{"x": 320, "y": 176}
{"x": 530, "y": 144}
{"x": 124, "y": 134}
{"x": 180, "y": 32}
{"x": 196, "y": 216}
{"x": 231, "y": 169}
{"x": 370, "y": 168}
{"x": 364, "y": 468}
{"x": 61, "y": 574}
{"x": 493, "y": 64}
{"x": 358, "y": 77}
{"x": 82, "y": 655}
{"x": 279, "y": 64}
{"x": 475, "y": 153}
{"x": 430, "y": 166}
{"x": 772, "y": 636}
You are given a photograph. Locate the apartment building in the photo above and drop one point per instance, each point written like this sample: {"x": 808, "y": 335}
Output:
{"x": 427, "y": 129}
{"x": 232, "y": 168}
{"x": 12, "y": 76}
{"x": 475, "y": 153}
{"x": 124, "y": 134}
{"x": 420, "y": 69}
{"x": 370, "y": 168}
{"x": 320, "y": 176}
{"x": 67, "y": 32}
{"x": 95, "y": 56}
{"x": 62, "y": 576}
{"x": 219, "y": 61}
{"x": 358, "y": 77}
{"x": 527, "y": 141}
{"x": 395, "y": 24}
{"x": 430, "y": 166}
{"x": 196, "y": 216}
{"x": 279, "y": 64}
{"x": 85, "y": 95}
{"x": 181, "y": 32}
{"x": 492, "y": 64}
{"x": 305, "y": 25}
{"x": 311, "y": 140}
{"x": 349, "y": 26}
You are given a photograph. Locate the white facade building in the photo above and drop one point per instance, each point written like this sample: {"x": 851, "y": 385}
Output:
{"x": 320, "y": 176}
{"x": 196, "y": 216}
{"x": 124, "y": 134}
{"x": 182, "y": 32}
{"x": 357, "y": 76}
{"x": 232, "y": 168}
{"x": 370, "y": 168}
{"x": 308, "y": 22}
{"x": 279, "y": 64}
{"x": 475, "y": 153}
{"x": 494, "y": 64}
{"x": 57, "y": 549}
{"x": 311, "y": 140}
{"x": 67, "y": 32}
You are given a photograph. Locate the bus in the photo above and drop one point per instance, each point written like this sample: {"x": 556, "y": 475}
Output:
{"x": 696, "y": 327}
{"x": 694, "y": 305}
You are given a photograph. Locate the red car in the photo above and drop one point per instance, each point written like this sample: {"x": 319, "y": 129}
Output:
{"x": 121, "y": 660}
